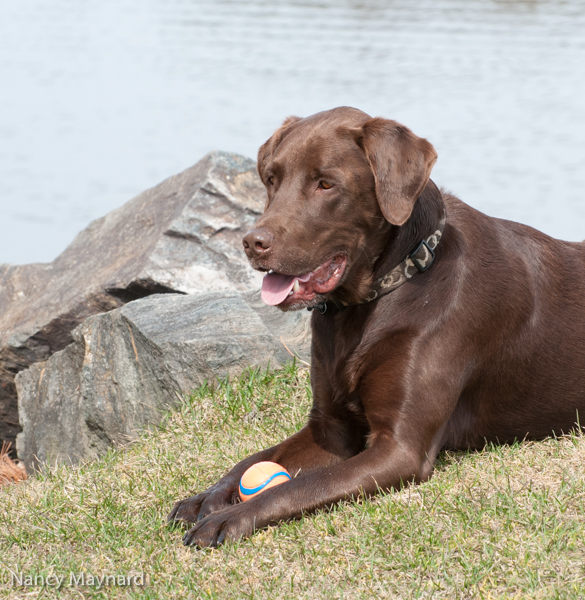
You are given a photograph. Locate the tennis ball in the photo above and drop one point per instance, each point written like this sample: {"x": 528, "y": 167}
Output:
{"x": 260, "y": 477}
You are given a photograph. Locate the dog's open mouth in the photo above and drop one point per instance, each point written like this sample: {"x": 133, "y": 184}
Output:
{"x": 278, "y": 288}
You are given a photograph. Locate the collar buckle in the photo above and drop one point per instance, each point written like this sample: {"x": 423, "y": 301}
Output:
{"x": 423, "y": 257}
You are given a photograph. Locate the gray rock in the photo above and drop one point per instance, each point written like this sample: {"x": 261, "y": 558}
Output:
{"x": 182, "y": 236}
{"x": 127, "y": 366}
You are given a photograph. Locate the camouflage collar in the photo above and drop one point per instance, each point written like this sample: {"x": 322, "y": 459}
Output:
{"x": 418, "y": 261}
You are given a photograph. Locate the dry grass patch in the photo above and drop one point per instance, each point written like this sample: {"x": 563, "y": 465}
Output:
{"x": 10, "y": 471}
{"x": 507, "y": 522}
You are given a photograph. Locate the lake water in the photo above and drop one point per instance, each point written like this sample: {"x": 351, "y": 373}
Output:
{"x": 100, "y": 100}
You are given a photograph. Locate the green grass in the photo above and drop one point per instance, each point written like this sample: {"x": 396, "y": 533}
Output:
{"x": 508, "y": 522}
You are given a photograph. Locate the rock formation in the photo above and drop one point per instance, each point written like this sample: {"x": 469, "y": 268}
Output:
{"x": 183, "y": 236}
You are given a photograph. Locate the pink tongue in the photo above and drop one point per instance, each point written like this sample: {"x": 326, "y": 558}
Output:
{"x": 275, "y": 288}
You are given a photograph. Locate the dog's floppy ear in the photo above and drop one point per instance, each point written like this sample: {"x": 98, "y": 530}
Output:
{"x": 401, "y": 163}
{"x": 267, "y": 149}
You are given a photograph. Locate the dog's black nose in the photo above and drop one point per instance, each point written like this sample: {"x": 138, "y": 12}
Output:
{"x": 258, "y": 242}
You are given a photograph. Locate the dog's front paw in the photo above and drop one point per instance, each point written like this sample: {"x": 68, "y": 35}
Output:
{"x": 197, "y": 507}
{"x": 229, "y": 524}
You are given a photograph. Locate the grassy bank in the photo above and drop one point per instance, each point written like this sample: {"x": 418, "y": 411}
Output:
{"x": 508, "y": 522}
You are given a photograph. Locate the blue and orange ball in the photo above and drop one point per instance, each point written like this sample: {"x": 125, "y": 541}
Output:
{"x": 260, "y": 477}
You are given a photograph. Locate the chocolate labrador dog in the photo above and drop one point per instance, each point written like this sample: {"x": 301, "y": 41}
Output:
{"x": 434, "y": 326}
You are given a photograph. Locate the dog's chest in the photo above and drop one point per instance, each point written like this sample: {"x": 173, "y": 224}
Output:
{"x": 337, "y": 347}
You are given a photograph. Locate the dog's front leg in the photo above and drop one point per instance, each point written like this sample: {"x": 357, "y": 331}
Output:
{"x": 329, "y": 437}
{"x": 406, "y": 415}
{"x": 315, "y": 445}
{"x": 385, "y": 465}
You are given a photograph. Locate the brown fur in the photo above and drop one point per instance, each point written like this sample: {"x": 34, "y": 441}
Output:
{"x": 488, "y": 345}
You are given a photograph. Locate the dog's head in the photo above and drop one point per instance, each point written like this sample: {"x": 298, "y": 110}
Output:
{"x": 337, "y": 183}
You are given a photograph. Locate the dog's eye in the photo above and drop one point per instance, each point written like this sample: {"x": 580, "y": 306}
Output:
{"x": 270, "y": 180}
{"x": 325, "y": 186}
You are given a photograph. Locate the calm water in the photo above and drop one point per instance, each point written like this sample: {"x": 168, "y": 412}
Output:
{"x": 100, "y": 100}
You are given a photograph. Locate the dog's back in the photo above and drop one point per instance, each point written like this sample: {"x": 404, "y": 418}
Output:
{"x": 524, "y": 299}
